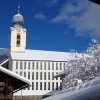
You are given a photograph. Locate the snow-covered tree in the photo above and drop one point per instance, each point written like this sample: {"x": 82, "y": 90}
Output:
{"x": 83, "y": 68}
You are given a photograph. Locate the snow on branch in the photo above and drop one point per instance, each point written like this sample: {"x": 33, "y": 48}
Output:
{"x": 84, "y": 68}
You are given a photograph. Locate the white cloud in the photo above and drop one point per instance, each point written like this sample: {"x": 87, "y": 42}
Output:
{"x": 84, "y": 17}
{"x": 40, "y": 16}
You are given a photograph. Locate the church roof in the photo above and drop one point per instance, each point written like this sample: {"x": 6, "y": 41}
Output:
{"x": 40, "y": 55}
{"x": 3, "y": 58}
{"x": 18, "y": 19}
{"x": 4, "y": 51}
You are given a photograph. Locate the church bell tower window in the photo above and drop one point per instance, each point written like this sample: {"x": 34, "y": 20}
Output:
{"x": 18, "y": 40}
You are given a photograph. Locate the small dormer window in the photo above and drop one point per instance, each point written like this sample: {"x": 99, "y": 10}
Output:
{"x": 18, "y": 40}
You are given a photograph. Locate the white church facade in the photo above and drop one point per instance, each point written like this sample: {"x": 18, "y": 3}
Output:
{"x": 38, "y": 66}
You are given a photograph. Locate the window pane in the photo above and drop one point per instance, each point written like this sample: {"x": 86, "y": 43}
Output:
{"x": 52, "y": 66}
{"x": 56, "y": 66}
{"x": 48, "y": 66}
{"x": 56, "y": 74}
{"x": 56, "y": 85}
{"x": 52, "y": 75}
{"x": 33, "y": 65}
{"x": 36, "y": 85}
{"x": 24, "y": 65}
{"x": 24, "y": 74}
{"x": 16, "y": 64}
{"x": 48, "y": 85}
{"x": 18, "y": 43}
{"x": 32, "y": 85}
{"x": 44, "y": 85}
{"x": 40, "y": 85}
{"x": 52, "y": 85}
{"x": 64, "y": 64}
{"x": 18, "y": 36}
{"x": 44, "y": 75}
{"x": 21, "y": 65}
{"x": 37, "y": 65}
{"x": 41, "y": 66}
{"x": 21, "y": 73}
{"x": 28, "y": 65}
{"x": 32, "y": 75}
{"x": 18, "y": 40}
{"x": 60, "y": 86}
{"x": 28, "y": 75}
{"x": 48, "y": 75}
{"x": 44, "y": 65}
{"x": 60, "y": 66}
{"x": 40, "y": 75}
{"x": 36, "y": 75}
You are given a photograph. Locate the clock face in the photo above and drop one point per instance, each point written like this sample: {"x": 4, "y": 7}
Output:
{"x": 18, "y": 29}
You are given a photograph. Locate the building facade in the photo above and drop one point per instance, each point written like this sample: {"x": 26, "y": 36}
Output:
{"x": 40, "y": 73}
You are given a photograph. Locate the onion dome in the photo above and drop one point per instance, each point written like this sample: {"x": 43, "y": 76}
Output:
{"x": 18, "y": 19}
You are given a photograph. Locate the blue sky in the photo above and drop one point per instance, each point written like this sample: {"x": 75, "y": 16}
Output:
{"x": 57, "y": 25}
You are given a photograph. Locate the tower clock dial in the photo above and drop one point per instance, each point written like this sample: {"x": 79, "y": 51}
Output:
{"x": 18, "y": 29}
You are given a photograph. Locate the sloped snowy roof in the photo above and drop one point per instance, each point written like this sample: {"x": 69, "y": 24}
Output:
{"x": 42, "y": 55}
{"x": 10, "y": 73}
{"x": 4, "y": 51}
{"x": 18, "y": 81}
{"x": 3, "y": 58}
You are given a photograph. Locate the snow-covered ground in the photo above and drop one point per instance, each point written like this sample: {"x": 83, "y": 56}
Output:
{"x": 87, "y": 91}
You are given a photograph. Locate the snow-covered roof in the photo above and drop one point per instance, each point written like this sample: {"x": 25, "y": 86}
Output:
{"x": 42, "y": 55}
{"x": 18, "y": 81}
{"x": 4, "y": 51}
{"x": 14, "y": 75}
{"x": 3, "y": 58}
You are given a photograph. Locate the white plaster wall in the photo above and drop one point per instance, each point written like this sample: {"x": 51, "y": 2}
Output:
{"x": 13, "y": 37}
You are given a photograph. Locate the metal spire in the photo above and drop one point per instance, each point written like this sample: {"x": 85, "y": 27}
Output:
{"x": 18, "y": 9}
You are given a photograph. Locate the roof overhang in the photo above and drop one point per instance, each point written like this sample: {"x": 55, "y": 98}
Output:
{"x": 18, "y": 81}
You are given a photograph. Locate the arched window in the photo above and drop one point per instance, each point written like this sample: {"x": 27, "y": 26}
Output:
{"x": 18, "y": 40}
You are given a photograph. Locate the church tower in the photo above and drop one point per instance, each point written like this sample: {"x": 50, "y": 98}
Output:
{"x": 18, "y": 34}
